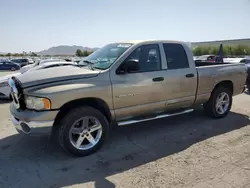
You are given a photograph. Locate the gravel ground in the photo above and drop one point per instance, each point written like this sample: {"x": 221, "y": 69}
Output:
{"x": 190, "y": 150}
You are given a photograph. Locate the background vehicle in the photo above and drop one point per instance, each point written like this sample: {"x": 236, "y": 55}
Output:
{"x": 8, "y": 65}
{"x": 27, "y": 67}
{"x": 196, "y": 57}
{"x": 238, "y": 60}
{"x": 46, "y": 65}
{"x": 121, "y": 83}
{"x": 205, "y": 58}
{"x": 4, "y": 87}
{"x": 22, "y": 62}
{"x": 246, "y": 61}
{"x": 209, "y": 58}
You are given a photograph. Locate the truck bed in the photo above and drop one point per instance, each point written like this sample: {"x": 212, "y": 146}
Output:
{"x": 210, "y": 74}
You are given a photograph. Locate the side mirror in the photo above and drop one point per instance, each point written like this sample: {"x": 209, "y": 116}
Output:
{"x": 129, "y": 66}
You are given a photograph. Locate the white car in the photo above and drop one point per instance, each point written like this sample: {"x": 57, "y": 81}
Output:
{"x": 237, "y": 60}
{"x": 27, "y": 67}
{"x": 4, "y": 86}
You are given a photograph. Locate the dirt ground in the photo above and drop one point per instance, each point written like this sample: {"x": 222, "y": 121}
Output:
{"x": 190, "y": 150}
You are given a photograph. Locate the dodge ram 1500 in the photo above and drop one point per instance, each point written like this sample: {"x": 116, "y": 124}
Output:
{"x": 119, "y": 84}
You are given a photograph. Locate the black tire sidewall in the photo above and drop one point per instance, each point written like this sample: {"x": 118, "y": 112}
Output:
{"x": 216, "y": 93}
{"x": 67, "y": 123}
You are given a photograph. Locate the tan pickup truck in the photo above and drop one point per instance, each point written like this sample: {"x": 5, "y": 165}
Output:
{"x": 120, "y": 84}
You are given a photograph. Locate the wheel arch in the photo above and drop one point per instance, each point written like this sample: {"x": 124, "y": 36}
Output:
{"x": 226, "y": 84}
{"x": 96, "y": 103}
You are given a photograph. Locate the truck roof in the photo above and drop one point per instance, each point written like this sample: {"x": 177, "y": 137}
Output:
{"x": 152, "y": 41}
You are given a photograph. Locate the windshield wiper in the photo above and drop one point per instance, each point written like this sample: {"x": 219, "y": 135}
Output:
{"x": 89, "y": 62}
{"x": 99, "y": 68}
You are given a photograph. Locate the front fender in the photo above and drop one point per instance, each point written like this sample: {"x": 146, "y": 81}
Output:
{"x": 65, "y": 92}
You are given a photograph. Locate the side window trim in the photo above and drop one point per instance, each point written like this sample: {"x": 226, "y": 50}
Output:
{"x": 164, "y": 63}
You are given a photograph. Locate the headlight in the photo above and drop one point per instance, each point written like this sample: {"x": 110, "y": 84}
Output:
{"x": 4, "y": 84}
{"x": 37, "y": 103}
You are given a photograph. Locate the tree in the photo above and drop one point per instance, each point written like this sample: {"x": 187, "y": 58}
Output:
{"x": 78, "y": 53}
{"x": 34, "y": 54}
{"x": 86, "y": 53}
{"x": 237, "y": 50}
{"x": 197, "y": 51}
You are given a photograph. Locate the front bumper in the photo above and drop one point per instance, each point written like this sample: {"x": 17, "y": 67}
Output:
{"x": 32, "y": 122}
{"x": 32, "y": 127}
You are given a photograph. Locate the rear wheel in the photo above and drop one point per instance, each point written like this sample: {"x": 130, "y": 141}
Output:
{"x": 219, "y": 103}
{"x": 83, "y": 131}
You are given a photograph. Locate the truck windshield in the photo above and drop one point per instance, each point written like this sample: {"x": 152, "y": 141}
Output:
{"x": 105, "y": 56}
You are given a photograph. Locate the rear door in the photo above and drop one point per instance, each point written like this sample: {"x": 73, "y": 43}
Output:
{"x": 180, "y": 82}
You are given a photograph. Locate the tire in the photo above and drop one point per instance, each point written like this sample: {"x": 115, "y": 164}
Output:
{"x": 65, "y": 137}
{"x": 13, "y": 69}
{"x": 210, "y": 107}
{"x": 248, "y": 85}
{"x": 10, "y": 97}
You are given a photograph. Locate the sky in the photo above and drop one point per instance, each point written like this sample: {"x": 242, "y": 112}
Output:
{"x": 35, "y": 25}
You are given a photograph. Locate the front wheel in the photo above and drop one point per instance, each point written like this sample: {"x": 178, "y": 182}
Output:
{"x": 219, "y": 104}
{"x": 248, "y": 85}
{"x": 83, "y": 131}
{"x": 13, "y": 69}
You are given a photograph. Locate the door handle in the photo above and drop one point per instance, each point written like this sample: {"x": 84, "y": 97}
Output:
{"x": 189, "y": 75}
{"x": 158, "y": 79}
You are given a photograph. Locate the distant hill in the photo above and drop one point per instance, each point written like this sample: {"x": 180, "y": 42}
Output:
{"x": 224, "y": 42}
{"x": 64, "y": 50}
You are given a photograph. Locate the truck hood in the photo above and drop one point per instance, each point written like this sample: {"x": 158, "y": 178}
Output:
{"x": 56, "y": 74}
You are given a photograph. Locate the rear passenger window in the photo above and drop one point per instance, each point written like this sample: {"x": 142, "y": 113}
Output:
{"x": 176, "y": 56}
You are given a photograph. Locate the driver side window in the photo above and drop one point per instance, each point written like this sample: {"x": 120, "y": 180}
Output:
{"x": 148, "y": 57}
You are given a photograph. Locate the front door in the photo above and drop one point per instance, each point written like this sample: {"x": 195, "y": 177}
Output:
{"x": 140, "y": 93}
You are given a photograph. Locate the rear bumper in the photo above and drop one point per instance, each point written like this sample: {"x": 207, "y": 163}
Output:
{"x": 32, "y": 122}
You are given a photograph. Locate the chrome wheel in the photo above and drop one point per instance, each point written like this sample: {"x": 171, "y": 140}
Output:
{"x": 85, "y": 133}
{"x": 222, "y": 103}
